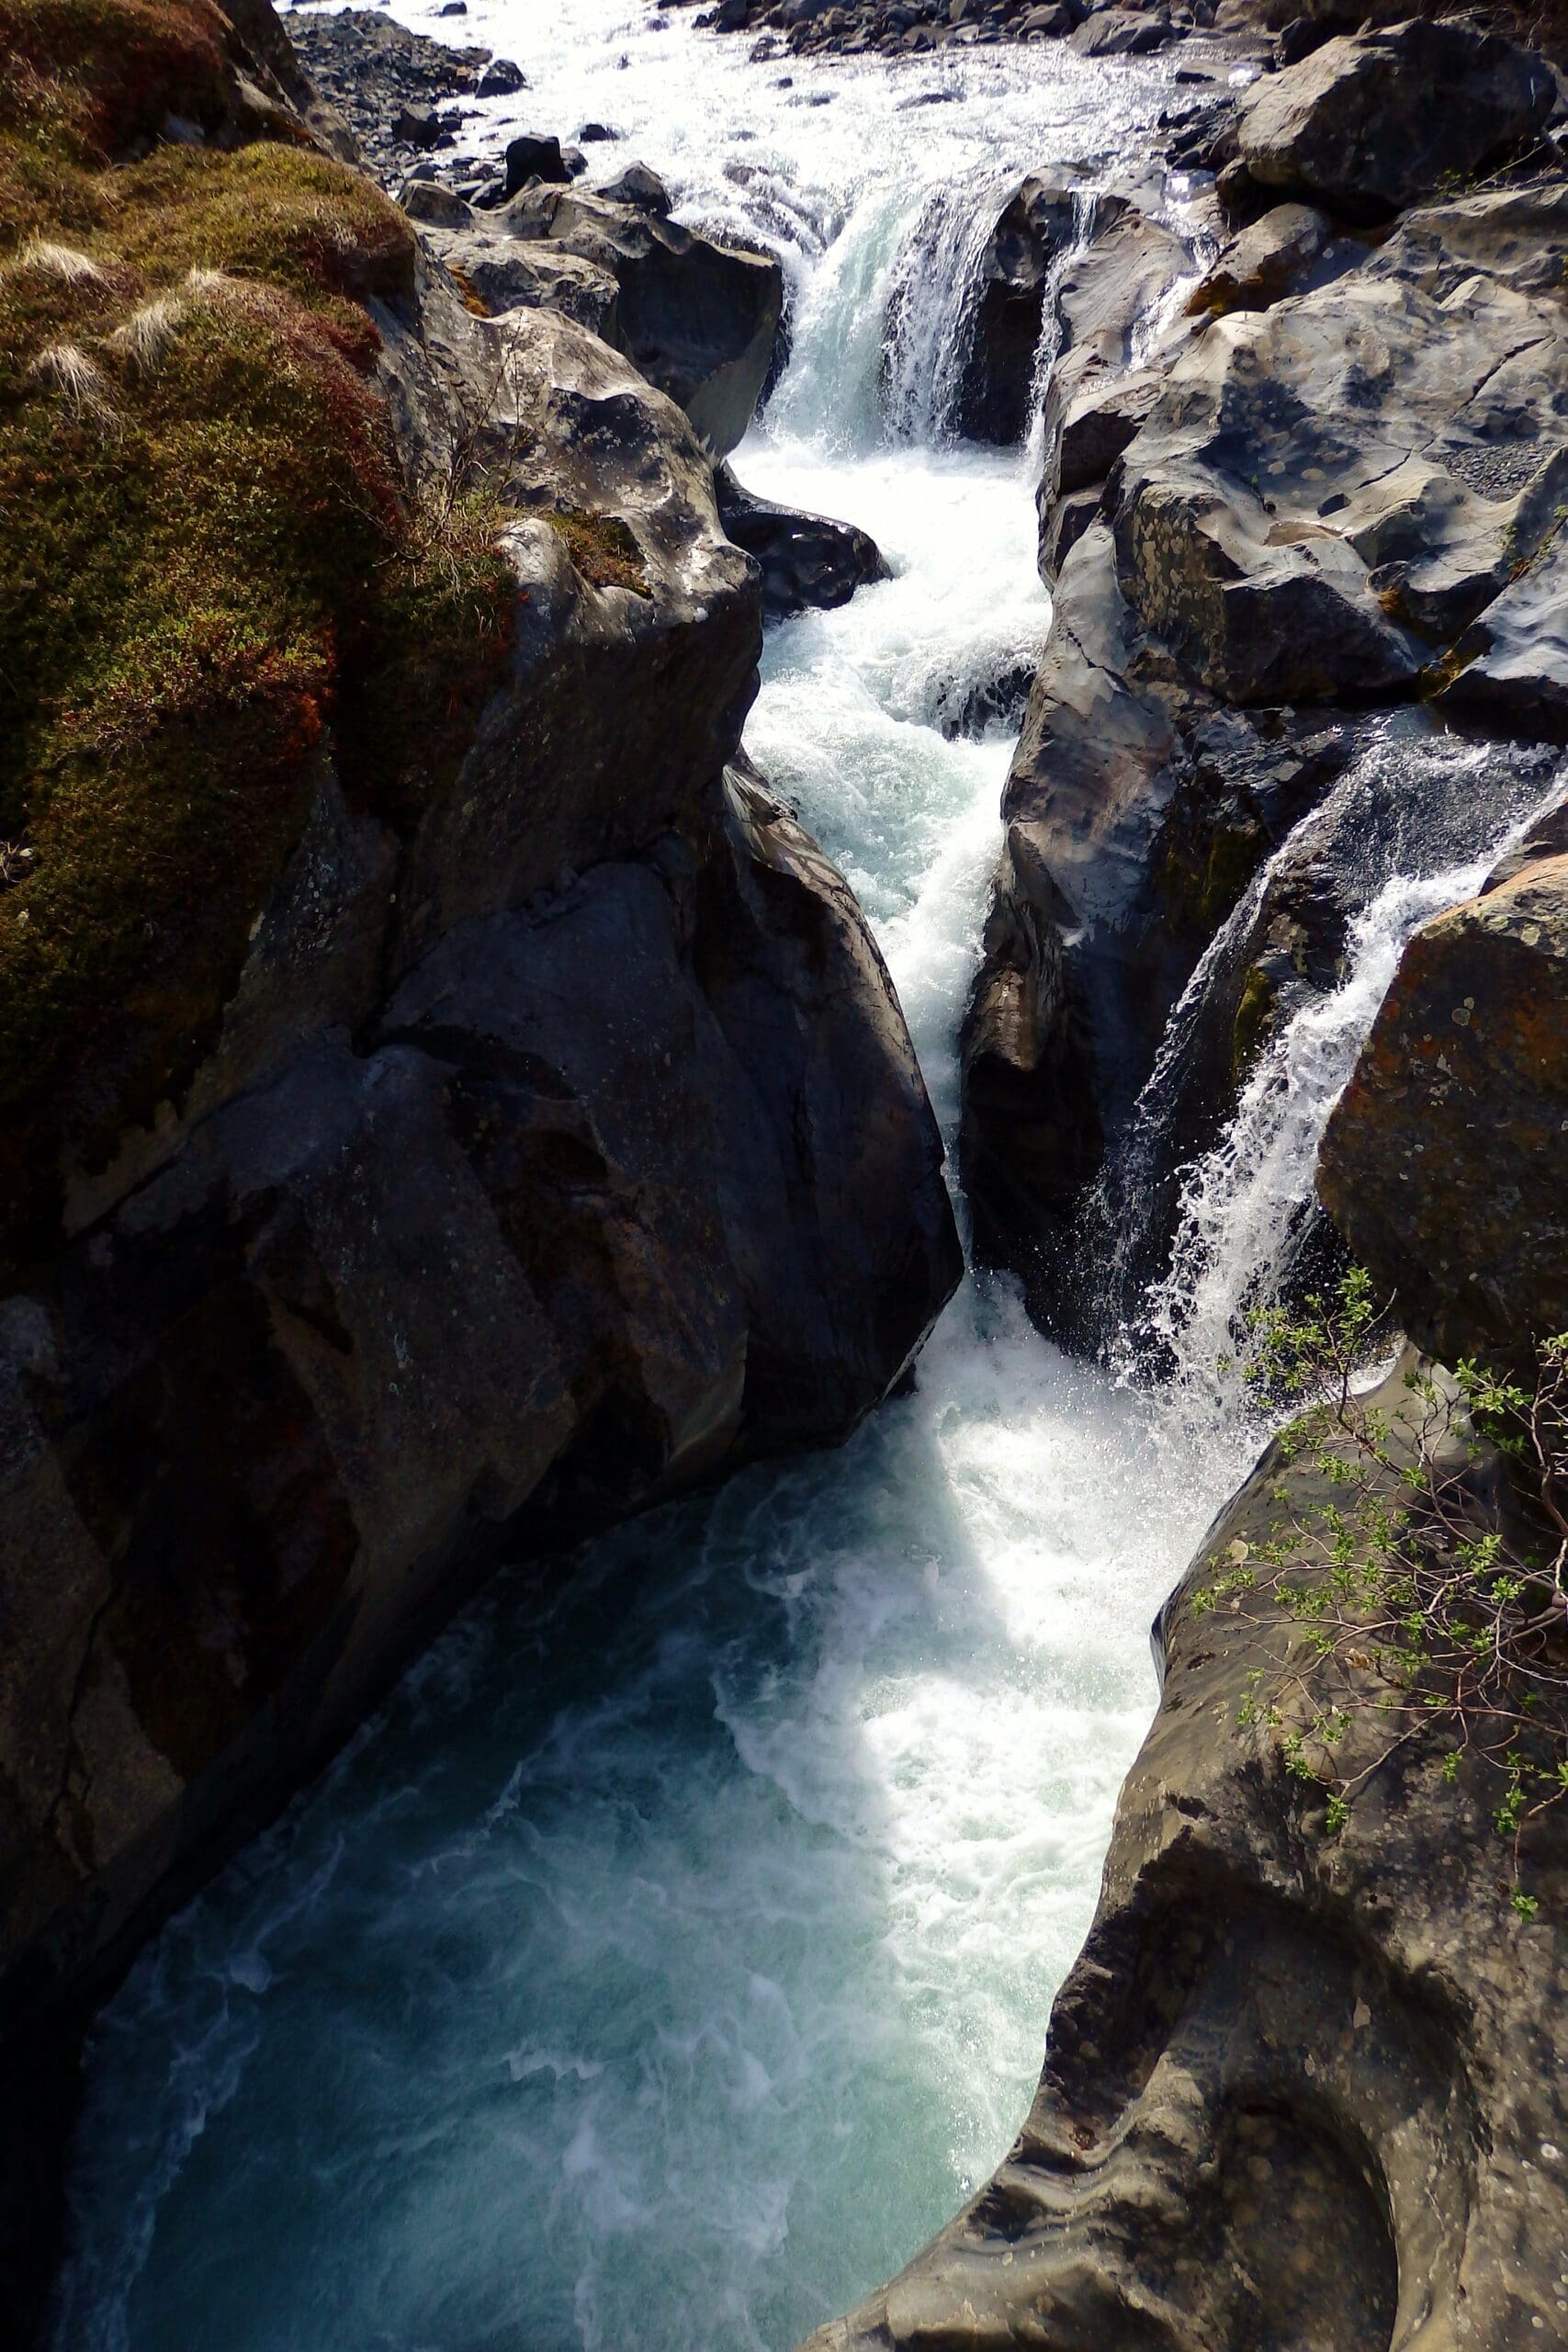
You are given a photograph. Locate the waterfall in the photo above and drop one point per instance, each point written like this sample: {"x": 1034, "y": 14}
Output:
{"x": 1245, "y": 1206}
{"x": 931, "y": 312}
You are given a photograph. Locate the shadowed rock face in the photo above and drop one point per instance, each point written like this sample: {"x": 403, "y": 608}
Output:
{"x": 549, "y": 1156}
{"x": 1299, "y": 2091}
{"x": 1445, "y": 1164}
{"x": 1036, "y": 229}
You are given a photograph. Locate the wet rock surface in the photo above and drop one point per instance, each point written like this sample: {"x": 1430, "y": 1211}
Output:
{"x": 807, "y": 560}
{"x": 1298, "y": 2088}
{"x": 1036, "y": 231}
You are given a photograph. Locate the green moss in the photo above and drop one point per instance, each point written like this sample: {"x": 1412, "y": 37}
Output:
{"x": 1254, "y": 1019}
{"x": 209, "y": 565}
{"x": 604, "y": 549}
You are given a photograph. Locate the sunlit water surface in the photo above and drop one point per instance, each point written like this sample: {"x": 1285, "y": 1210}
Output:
{"x": 671, "y": 1955}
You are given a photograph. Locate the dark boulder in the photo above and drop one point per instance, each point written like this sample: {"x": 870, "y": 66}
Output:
{"x": 1039, "y": 225}
{"x": 500, "y": 79}
{"x": 806, "y": 561}
{"x": 531, "y": 157}
{"x": 1375, "y": 120}
{"x": 1445, "y": 1165}
{"x": 419, "y": 127}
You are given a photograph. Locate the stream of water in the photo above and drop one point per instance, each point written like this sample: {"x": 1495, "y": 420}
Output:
{"x": 671, "y": 1954}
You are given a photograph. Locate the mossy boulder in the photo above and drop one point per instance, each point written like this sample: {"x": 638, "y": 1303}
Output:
{"x": 213, "y": 562}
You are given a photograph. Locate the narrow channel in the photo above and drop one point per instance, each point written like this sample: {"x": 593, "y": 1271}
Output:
{"x": 670, "y": 1956}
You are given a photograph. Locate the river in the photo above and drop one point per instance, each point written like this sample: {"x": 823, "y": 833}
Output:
{"x": 671, "y": 1954}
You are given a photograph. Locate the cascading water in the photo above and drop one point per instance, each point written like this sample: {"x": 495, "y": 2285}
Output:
{"x": 1244, "y": 1210}
{"x": 675, "y": 1950}
{"x": 1409, "y": 828}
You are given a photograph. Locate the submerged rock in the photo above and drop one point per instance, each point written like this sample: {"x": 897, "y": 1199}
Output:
{"x": 806, "y": 561}
{"x": 1445, "y": 1164}
{"x": 1300, "y": 2087}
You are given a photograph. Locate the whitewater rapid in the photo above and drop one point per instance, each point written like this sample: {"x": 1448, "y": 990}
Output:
{"x": 674, "y": 1951}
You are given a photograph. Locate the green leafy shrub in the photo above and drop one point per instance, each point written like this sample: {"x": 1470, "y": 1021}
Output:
{"x": 1425, "y": 1605}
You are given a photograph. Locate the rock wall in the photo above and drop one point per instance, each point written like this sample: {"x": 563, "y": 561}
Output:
{"x": 1445, "y": 1164}
{"x": 557, "y": 1142}
{"x": 1322, "y": 486}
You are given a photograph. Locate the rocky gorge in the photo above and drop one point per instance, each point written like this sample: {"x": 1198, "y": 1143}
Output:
{"x": 528, "y": 1128}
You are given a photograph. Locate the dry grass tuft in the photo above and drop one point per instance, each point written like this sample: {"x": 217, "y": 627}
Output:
{"x": 148, "y": 332}
{"x": 80, "y": 382}
{"x": 64, "y": 262}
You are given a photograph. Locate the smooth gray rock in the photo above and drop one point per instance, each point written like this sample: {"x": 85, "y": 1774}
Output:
{"x": 1516, "y": 675}
{"x": 700, "y": 319}
{"x": 1106, "y": 296}
{"x": 501, "y": 273}
{"x": 1378, "y": 118}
